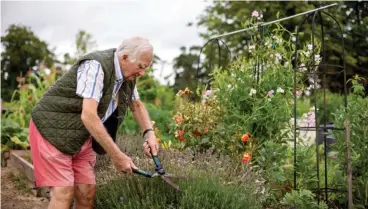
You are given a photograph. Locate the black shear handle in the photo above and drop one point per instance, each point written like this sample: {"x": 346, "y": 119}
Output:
{"x": 159, "y": 168}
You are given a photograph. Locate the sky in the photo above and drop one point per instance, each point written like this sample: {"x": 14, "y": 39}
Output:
{"x": 163, "y": 22}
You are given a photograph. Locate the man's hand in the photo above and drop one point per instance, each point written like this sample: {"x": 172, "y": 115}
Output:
{"x": 123, "y": 163}
{"x": 151, "y": 144}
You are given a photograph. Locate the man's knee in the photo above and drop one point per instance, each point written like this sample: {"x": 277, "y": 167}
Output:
{"x": 62, "y": 194}
{"x": 85, "y": 194}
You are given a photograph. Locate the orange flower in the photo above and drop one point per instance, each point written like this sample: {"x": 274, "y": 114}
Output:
{"x": 246, "y": 157}
{"x": 205, "y": 130}
{"x": 245, "y": 137}
{"x": 158, "y": 140}
{"x": 187, "y": 91}
{"x": 178, "y": 120}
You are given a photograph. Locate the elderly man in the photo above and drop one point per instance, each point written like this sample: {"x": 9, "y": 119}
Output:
{"x": 71, "y": 116}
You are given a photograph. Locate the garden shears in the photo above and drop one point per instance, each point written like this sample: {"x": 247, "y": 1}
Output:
{"x": 160, "y": 172}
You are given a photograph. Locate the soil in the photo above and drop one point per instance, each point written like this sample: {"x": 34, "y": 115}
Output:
{"x": 15, "y": 195}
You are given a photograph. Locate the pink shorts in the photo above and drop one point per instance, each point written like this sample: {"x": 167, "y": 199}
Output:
{"x": 54, "y": 168}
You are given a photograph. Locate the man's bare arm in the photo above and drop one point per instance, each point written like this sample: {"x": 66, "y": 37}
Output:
{"x": 141, "y": 115}
{"x": 95, "y": 127}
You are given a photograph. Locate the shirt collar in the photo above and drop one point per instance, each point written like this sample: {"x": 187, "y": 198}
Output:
{"x": 118, "y": 73}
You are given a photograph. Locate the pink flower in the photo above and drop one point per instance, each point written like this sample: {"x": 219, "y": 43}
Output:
{"x": 270, "y": 92}
{"x": 278, "y": 56}
{"x": 255, "y": 13}
{"x": 298, "y": 93}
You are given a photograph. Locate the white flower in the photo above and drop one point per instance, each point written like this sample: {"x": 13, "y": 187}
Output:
{"x": 293, "y": 39}
{"x": 317, "y": 57}
{"x": 260, "y": 16}
{"x": 280, "y": 90}
{"x": 251, "y": 47}
{"x": 252, "y": 92}
{"x": 229, "y": 86}
{"x": 310, "y": 47}
{"x": 286, "y": 64}
{"x": 307, "y": 92}
{"x": 302, "y": 67}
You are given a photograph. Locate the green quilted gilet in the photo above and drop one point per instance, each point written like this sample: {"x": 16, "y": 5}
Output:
{"x": 57, "y": 115}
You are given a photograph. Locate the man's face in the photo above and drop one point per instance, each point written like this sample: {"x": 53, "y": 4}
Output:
{"x": 133, "y": 70}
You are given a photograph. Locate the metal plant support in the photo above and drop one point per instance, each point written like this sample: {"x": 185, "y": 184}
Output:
{"x": 324, "y": 128}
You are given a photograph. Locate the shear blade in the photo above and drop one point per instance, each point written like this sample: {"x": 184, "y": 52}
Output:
{"x": 167, "y": 180}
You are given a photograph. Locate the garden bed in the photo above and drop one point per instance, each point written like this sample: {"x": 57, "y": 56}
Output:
{"x": 21, "y": 160}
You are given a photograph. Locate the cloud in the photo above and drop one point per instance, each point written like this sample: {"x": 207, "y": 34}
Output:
{"x": 163, "y": 22}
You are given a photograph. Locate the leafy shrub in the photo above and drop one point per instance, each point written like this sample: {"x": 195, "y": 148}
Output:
{"x": 357, "y": 114}
{"x": 303, "y": 199}
{"x": 15, "y": 121}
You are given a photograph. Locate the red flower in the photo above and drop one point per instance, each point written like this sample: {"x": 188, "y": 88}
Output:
{"x": 30, "y": 98}
{"x": 197, "y": 133}
{"x": 180, "y": 135}
{"x": 246, "y": 157}
{"x": 245, "y": 137}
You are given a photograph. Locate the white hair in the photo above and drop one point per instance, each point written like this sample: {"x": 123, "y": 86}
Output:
{"x": 134, "y": 47}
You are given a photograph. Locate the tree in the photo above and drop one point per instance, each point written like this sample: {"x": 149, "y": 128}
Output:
{"x": 185, "y": 67}
{"x": 22, "y": 51}
{"x": 84, "y": 43}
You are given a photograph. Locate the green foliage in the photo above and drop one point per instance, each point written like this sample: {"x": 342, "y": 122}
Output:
{"x": 159, "y": 101}
{"x": 250, "y": 116}
{"x": 22, "y": 51}
{"x": 15, "y": 120}
{"x": 227, "y": 16}
{"x": 333, "y": 102}
{"x": 357, "y": 114}
{"x": 303, "y": 199}
{"x": 13, "y": 136}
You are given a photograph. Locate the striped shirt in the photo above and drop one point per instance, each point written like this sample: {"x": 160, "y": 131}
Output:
{"x": 90, "y": 78}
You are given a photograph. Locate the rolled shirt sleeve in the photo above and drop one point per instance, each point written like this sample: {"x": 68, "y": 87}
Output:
{"x": 90, "y": 78}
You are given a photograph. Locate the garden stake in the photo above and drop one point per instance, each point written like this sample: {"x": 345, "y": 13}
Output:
{"x": 160, "y": 172}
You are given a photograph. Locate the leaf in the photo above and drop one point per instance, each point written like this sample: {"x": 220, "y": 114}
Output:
{"x": 204, "y": 140}
{"x": 17, "y": 141}
{"x": 280, "y": 177}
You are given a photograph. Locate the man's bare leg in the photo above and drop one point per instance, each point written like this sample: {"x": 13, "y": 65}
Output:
{"x": 61, "y": 197}
{"x": 84, "y": 196}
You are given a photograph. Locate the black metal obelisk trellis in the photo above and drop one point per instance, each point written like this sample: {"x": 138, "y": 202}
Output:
{"x": 322, "y": 71}
{"x": 322, "y": 67}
